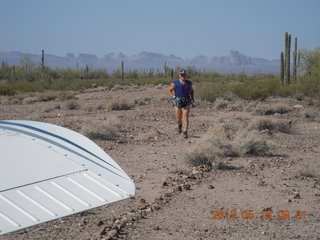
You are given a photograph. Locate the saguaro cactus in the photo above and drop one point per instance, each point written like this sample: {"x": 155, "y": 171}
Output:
{"x": 165, "y": 69}
{"x": 42, "y": 59}
{"x": 295, "y": 56}
{"x": 282, "y": 68}
{"x": 122, "y": 71}
{"x": 287, "y": 59}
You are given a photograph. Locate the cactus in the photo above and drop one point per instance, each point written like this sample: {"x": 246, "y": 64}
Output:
{"x": 42, "y": 59}
{"x": 14, "y": 72}
{"x": 282, "y": 68}
{"x": 287, "y": 59}
{"x": 295, "y": 55}
{"x": 122, "y": 71}
{"x": 165, "y": 69}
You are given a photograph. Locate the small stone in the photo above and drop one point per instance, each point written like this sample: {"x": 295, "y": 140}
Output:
{"x": 164, "y": 181}
{"x": 112, "y": 233}
{"x": 267, "y": 209}
{"x": 187, "y": 186}
{"x": 211, "y": 187}
{"x": 288, "y": 200}
{"x": 179, "y": 188}
{"x": 142, "y": 200}
{"x": 168, "y": 195}
{"x": 102, "y": 230}
{"x": 296, "y": 195}
{"x": 100, "y": 223}
{"x": 156, "y": 228}
{"x": 143, "y": 206}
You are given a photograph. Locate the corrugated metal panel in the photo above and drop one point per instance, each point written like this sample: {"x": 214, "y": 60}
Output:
{"x": 48, "y": 172}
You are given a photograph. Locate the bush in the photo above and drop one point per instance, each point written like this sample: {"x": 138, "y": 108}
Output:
{"x": 273, "y": 125}
{"x": 226, "y": 140}
{"x": 118, "y": 104}
{"x": 108, "y": 130}
{"x": 252, "y": 89}
{"x": 271, "y": 109}
{"x": 209, "y": 91}
{"x": 72, "y": 105}
{"x": 7, "y": 91}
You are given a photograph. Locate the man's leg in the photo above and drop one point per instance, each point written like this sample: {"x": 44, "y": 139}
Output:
{"x": 179, "y": 119}
{"x": 185, "y": 120}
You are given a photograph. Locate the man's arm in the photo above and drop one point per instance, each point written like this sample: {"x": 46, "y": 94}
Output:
{"x": 171, "y": 89}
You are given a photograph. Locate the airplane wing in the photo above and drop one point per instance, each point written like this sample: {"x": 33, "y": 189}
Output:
{"x": 47, "y": 172}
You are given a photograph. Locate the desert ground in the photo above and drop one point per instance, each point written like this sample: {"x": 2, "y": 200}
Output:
{"x": 175, "y": 200}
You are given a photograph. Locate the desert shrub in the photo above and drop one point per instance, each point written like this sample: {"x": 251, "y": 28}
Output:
{"x": 72, "y": 105}
{"x": 48, "y": 96}
{"x": 209, "y": 91}
{"x": 228, "y": 140}
{"x": 100, "y": 106}
{"x": 271, "y": 109}
{"x": 30, "y": 100}
{"x": 252, "y": 143}
{"x": 118, "y": 104}
{"x": 273, "y": 125}
{"x": 308, "y": 173}
{"x": 107, "y": 130}
{"x": 252, "y": 89}
{"x": 7, "y": 90}
{"x": 312, "y": 115}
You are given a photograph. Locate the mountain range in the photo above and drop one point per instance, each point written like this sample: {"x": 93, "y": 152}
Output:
{"x": 234, "y": 63}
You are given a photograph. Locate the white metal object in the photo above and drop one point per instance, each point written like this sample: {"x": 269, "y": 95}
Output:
{"x": 47, "y": 172}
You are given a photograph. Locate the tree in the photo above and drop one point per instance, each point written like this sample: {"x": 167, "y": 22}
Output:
{"x": 311, "y": 62}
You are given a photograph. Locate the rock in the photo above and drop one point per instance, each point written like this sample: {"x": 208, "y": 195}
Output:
{"x": 267, "y": 209}
{"x": 102, "y": 230}
{"x": 164, "y": 181}
{"x": 296, "y": 195}
{"x": 178, "y": 188}
{"x": 156, "y": 228}
{"x": 155, "y": 206}
{"x": 157, "y": 199}
{"x": 144, "y": 206}
{"x": 168, "y": 194}
{"x": 142, "y": 200}
{"x": 100, "y": 223}
{"x": 211, "y": 187}
{"x": 288, "y": 200}
{"x": 187, "y": 186}
{"x": 112, "y": 233}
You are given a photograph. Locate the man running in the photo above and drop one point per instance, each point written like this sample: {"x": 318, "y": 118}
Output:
{"x": 181, "y": 92}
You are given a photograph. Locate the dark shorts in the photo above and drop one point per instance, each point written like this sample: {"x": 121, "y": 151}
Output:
{"x": 181, "y": 102}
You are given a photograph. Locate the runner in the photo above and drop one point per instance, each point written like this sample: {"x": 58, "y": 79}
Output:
{"x": 181, "y": 92}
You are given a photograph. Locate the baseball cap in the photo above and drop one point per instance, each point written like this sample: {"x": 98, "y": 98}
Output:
{"x": 183, "y": 72}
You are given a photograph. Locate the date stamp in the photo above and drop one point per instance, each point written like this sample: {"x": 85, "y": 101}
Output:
{"x": 250, "y": 214}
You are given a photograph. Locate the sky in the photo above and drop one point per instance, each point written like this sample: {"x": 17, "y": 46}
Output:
{"x": 185, "y": 28}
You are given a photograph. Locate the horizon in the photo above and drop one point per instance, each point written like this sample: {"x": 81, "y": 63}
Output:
{"x": 207, "y": 28}
{"x": 119, "y": 53}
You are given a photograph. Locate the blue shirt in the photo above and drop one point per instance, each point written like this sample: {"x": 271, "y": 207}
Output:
{"x": 182, "y": 90}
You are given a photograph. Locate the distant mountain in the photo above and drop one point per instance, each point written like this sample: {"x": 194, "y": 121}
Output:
{"x": 234, "y": 63}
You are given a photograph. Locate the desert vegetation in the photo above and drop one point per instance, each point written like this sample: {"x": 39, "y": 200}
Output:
{"x": 28, "y": 77}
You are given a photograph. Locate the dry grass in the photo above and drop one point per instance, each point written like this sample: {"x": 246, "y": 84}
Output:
{"x": 228, "y": 140}
{"x": 271, "y": 109}
{"x": 106, "y": 130}
{"x": 273, "y": 125}
{"x": 118, "y": 104}
{"x": 221, "y": 103}
{"x": 72, "y": 105}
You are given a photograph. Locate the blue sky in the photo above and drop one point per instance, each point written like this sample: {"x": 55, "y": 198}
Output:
{"x": 185, "y": 28}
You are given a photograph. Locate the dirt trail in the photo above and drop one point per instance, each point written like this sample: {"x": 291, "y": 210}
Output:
{"x": 154, "y": 156}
